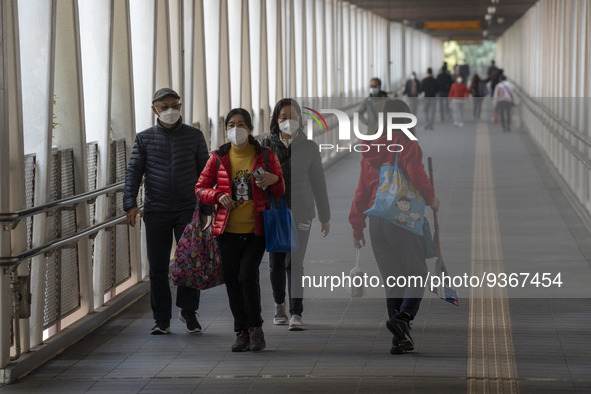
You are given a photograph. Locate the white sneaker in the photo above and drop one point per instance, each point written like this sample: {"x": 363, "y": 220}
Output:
{"x": 295, "y": 323}
{"x": 280, "y": 317}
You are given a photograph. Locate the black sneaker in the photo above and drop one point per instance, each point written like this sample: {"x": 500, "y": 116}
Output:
{"x": 257, "y": 339}
{"x": 162, "y": 327}
{"x": 242, "y": 343}
{"x": 190, "y": 319}
{"x": 396, "y": 348}
{"x": 399, "y": 326}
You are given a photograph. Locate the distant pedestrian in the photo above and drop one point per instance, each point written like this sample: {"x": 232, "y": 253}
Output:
{"x": 464, "y": 71}
{"x": 411, "y": 90}
{"x": 444, "y": 82}
{"x": 457, "y": 96}
{"x": 478, "y": 91}
{"x": 371, "y": 106}
{"x": 503, "y": 101}
{"x": 429, "y": 88}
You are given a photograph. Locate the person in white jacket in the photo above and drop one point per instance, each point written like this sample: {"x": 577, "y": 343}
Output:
{"x": 503, "y": 101}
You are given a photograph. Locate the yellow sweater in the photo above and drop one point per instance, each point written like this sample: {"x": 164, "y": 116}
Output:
{"x": 241, "y": 219}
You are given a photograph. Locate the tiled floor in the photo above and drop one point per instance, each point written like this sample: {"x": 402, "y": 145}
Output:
{"x": 345, "y": 347}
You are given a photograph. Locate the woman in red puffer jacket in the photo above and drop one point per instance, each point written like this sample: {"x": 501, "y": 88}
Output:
{"x": 228, "y": 181}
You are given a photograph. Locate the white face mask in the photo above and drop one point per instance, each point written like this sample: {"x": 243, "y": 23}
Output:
{"x": 237, "y": 135}
{"x": 459, "y": 80}
{"x": 170, "y": 116}
{"x": 289, "y": 126}
{"x": 373, "y": 91}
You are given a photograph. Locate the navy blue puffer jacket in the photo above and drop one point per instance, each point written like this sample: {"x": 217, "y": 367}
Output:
{"x": 171, "y": 160}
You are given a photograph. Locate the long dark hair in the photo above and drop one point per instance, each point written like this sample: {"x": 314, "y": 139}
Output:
{"x": 240, "y": 111}
{"x": 284, "y": 102}
{"x": 394, "y": 105}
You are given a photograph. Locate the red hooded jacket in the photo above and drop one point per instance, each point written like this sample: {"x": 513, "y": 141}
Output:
{"x": 210, "y": 176}
{"x": 410, "y": 161}
{"x": 458, "y": 90}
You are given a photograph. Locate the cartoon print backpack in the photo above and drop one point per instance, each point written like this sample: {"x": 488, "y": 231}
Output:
{"x": 397, "y": 200}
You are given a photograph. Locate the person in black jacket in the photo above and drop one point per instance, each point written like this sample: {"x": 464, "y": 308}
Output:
{"x": 411, "y": 90}
{"x": 170, "y": 155}
{"x": 305, "y": 188}
{"x": 429, "y": 88}
{"x": 444, "y": 82}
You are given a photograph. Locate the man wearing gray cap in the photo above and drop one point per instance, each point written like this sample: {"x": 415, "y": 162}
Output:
{"x": 170, "y": 155}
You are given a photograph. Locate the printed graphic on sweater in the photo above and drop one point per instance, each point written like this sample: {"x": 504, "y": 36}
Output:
{"x": 241, "y": 187}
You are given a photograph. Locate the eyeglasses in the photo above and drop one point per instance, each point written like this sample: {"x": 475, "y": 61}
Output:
{"x": 166, "y": 107}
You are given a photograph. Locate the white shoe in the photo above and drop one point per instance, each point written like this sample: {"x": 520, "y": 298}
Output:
{"x": 295, "y": 323}
{"x": 280, "y": 317}
{"x": 460, "y": 125}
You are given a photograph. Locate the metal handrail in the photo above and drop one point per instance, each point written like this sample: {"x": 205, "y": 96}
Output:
{"x": 554, "y": 125}
{"x": 565, "y": 125}
{"x": 56, "y": 244}
{"x": 15, "y": 217}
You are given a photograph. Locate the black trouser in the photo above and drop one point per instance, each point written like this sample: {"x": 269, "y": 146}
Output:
{"x": 241, "y": 258}
{"x": 443, "y": 104}
{"x": 291, "y": 264}
{"x": 504, "y": 111}
{"x": 159, "y": 226}
{"x": 399, "y": 253}
{"x": 430, "y": 108}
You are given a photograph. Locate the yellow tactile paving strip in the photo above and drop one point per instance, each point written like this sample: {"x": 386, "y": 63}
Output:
{"x": 491, "y": 356}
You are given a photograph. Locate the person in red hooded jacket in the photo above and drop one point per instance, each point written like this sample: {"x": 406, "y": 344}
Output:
{"x": 241, "y": 198}
{"x": 398, "y": 252}
{"x": 457, "y": 95}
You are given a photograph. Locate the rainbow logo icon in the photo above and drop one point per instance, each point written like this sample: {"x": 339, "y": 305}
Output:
{"x": 317, "y": 117}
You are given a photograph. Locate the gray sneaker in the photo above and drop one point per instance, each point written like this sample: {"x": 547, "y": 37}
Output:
{"x": 280, "y": 317}
{"x": 295, "y": 323}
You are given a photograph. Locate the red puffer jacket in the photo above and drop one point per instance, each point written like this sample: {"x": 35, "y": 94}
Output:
{"x": 210, "y": 176}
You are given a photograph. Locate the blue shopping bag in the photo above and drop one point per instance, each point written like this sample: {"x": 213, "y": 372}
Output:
{"x": 280, "y": 230}
{"x": 398, "y": 201}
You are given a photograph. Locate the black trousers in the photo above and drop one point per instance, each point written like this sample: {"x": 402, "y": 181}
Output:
{"x": 159, "y": 229}
{"x": 504, "y": 110}
{"x": 291, "y": 264}
{"x": 398, "y": 252}
{"x": 241, "y": 258}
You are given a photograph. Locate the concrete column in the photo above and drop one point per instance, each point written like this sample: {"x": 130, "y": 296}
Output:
{"x": 245, "y": 77}
{"x": 162, "y": 55}
{"x": 264, "y": 72}
{"x": 199, "y": 110}
{"x": 71, "y": 132}
{"x": 96, "y": 48}
{"x": 224, "y": 82}
{"x": 123, "y": 124}
{"x": 37, "y": 30}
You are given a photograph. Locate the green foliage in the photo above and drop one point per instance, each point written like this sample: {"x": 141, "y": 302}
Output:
{"x": 478, "y": 57}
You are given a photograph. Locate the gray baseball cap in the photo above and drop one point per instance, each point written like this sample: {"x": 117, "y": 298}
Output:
{"x": 161, "y": 93}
